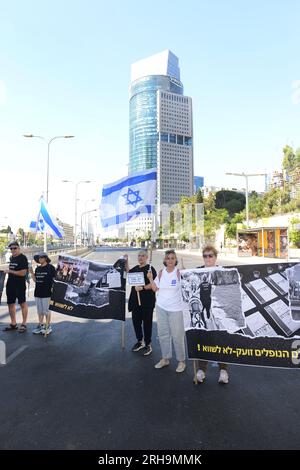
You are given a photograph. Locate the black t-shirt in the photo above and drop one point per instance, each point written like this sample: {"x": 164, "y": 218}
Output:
{"x": 147, "y": 296}
{"x": 44, "y": 276}
{"x": 17, "y": 263}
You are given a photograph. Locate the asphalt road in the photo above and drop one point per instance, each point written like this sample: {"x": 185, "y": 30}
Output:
{"x": 79, "y": 390}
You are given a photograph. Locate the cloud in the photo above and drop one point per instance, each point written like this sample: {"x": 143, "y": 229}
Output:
{"x": 296, "y": 92}
{"x": 2, "y": 92}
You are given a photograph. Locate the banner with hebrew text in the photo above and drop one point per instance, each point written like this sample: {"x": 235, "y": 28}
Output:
{"x": 247, "y": 314}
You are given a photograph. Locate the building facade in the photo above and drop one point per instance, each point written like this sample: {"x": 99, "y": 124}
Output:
{"x": 161, "y": 128}
{"x": 198, "y": 183}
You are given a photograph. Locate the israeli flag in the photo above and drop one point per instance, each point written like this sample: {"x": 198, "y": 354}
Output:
{"x": 46, "y": 223}
{"x": 128, "y": 198}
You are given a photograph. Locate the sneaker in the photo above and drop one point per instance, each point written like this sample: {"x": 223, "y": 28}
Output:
{"x": 147, "y": 350}
{"x": 46, "y": 331}
{"x": 162, "y": 363}
{"x": 224, "y": 378}
{"x": 200, "y": 376}
{"x": 38, "y": 330}
{"x": 138, "y": 346}
{"x": 181, "y": 366}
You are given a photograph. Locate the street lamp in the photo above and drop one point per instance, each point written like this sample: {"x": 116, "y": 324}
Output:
{"x": 85, "y": 213}
{"x": 75, "y": 223}
{"x": 48, "y": 160}
{"x": 246, "y": 176}
{"x": 83, "y": 228}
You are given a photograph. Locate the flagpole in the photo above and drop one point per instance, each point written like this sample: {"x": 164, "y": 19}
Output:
{"x": 48, "y": 161}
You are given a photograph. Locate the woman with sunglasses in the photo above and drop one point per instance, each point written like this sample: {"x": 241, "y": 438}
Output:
{"x": 169, "y": 312}
{"x": 210, "y": 255}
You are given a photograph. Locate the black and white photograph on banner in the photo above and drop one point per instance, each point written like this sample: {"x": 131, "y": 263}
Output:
{"x": 293, "y": 281}
{"x": 72, "y": 270}
{"x": 212, "y": 299}
{"x": 98, "y": 291}
{"x": 267, "y": 298}
{"x": 268, "y": 335}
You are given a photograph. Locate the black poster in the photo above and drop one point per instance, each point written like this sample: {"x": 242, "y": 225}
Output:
{"x": 86, "y": 289}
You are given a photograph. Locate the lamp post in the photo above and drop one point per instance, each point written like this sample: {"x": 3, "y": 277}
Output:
{"x": 75, "y": 217}
{"x": 246, "y": 176}
{"x": 85, "y": 213}
{"x": 48, "y": 162}
{"x": 83, "y": 227}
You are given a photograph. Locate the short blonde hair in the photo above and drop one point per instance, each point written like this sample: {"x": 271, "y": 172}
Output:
{"x": 210, "y": 248}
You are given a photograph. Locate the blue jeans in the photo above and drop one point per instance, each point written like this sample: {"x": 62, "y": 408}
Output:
{"x": 170, "y": 327}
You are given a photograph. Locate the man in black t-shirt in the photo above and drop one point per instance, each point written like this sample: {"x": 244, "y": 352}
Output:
{"x": 43, "y": 278}
{"x": 142, "y": 315}
{"x": 16, "y": 286}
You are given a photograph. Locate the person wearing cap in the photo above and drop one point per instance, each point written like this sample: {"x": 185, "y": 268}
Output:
{"x": 16, "y": 286}
{"x": 43, "y": 278}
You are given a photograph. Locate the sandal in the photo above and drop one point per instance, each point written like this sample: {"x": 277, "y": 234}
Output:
{"x": 11, "y": 327}
{"x": 23, "y": 328}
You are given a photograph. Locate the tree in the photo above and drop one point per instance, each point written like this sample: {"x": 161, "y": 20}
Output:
{"x": 212, "y": 222}
{"x": 209, "y": 202}
{"x": 199, "y": 196}
{"x": 231, "y": 226}
{"x": 289, "y": 159}
{"x": 232, "y": 201}
{"x": 255, "y": 205}
{"x": 294, "y": 233}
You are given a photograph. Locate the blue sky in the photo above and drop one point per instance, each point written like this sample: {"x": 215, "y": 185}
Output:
{"x": 65, "y": 69}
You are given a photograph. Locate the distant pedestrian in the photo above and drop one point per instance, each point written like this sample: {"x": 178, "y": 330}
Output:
{"x": 169, "y": 312}
{"x": 16, "y": 286}
{"x": 210, "y": 255}
{"x": 43, "y": 278}
{"x": 142, "y": 315}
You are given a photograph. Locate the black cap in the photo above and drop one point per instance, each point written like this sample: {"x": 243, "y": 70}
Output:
{"x": 43, "y": 254}
{"x": 14, "y": 243}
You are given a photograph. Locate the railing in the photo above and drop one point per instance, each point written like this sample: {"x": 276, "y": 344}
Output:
{"x": 52, "y": 253}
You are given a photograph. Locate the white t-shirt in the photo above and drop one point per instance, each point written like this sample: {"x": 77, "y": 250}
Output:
{"x": 169, "y": 294}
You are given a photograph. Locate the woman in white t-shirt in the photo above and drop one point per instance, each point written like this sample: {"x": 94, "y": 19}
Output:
{"x": 169, "y": 312}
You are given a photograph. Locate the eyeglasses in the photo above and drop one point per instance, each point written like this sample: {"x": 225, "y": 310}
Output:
{"x": 208, "y": 255}
{"x": 14, "y": 247}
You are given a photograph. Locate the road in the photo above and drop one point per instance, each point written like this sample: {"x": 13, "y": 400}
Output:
{"x": 79, "y": 390}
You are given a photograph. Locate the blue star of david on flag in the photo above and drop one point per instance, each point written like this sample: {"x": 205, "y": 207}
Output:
{"x": 132, "y": 197}
{"x": 41, "y": 225}
{"x": 127, "y": 198}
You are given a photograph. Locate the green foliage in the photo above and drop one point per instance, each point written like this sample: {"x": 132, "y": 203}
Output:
{"x": 294, "y": 233}
{"x": 3, "y": 246}
{"x": 212, "y": 222}
{"x": 289, "y": 159}
{"x": 232, "y": 201}
{"x": 230, "y": 230}
{"x": 210, "y": 203}
{"x": 199, "y": 196}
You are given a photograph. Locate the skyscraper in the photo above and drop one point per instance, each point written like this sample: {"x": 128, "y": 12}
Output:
{"x": 161, "y": 126}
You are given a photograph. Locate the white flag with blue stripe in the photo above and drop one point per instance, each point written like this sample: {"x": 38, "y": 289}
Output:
{"x": 128, "y": 198}
{"x": 46, "y": 223}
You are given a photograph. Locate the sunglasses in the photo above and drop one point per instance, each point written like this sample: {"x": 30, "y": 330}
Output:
{"x": 208, "y": 255}
{"x": 14, "y": 247}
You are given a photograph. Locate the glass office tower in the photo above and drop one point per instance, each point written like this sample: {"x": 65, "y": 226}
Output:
{"x": 143, "y": 133}
{"x": 160, "y": 129}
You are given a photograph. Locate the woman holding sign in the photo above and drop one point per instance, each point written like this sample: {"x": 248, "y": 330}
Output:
{"x": 169, "y": 312}
{"x": 141, "y": 302}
